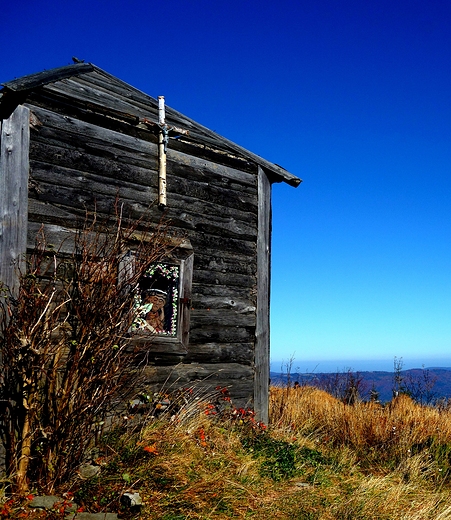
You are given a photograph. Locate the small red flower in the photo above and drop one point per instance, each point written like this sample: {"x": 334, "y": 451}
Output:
{"x": 151, "y": 449}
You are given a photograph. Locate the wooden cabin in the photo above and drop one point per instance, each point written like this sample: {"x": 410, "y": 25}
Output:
{"x": 77, "y": 137}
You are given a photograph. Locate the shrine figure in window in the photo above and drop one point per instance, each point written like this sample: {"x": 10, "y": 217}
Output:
{"x": 156, "y": 301}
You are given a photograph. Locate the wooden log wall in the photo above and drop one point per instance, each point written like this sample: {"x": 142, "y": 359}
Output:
{"x": 78, "y": 164}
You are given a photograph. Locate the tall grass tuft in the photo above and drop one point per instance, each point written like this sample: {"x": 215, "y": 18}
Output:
{"x": 381, "y": 435}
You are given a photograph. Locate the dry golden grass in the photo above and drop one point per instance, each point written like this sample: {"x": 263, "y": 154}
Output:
{"x": 318, "y": 460}
{"x": 375, "y": 432}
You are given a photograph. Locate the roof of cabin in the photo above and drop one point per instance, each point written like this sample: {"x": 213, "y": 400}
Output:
{"x": 109, "y": 95}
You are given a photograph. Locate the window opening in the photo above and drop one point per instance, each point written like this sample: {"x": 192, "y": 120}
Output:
{"x": 157, "y": 299}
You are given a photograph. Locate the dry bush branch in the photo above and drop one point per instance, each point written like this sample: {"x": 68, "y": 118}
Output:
{"x": 65, "y": 353}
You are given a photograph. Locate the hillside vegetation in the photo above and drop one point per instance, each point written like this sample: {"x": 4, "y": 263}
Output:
{"x": 319, "y": 459}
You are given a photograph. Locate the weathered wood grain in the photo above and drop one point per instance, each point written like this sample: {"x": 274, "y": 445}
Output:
{"x": 70, "y": 203}
{"x": 106, "y": 83}
{"x": 224, "y": 301}
{"x": 209, "y": 260}
{"x": 105, "y": 160}
{"x": 34, "y": 80}
{"x": 59, "y": 129}
{"x": 204, "y": 378}
{"x": 224, "y": 279}
{"x": 96, "y": 100}
{"x": 49, "y": 178}
{"x": 69, "y": 129}
{"x": 261, "y": 378}
{"x": 186, "y": 283}
{"x": 218, "y": 334}
{"x": 242, "y": 353}
{"x": 125, "y": 123}
{"x": 224, "y": 317}
{"x": 75, "y": 164}
{"x": 14, "y": 147}
{"x": 114, "y": 106}
{"x": 40, "y": 211}
{"x": 244, "y": 247}
{"x": 105, "y": 123}
{"x": 58, "y": 238}
{"x": 151, "y": 345}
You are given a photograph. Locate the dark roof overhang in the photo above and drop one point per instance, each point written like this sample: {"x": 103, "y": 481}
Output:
{"x": 14, "y": 92}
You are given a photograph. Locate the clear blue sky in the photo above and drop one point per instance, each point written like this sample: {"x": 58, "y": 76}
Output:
{"x": 354, "y": 97}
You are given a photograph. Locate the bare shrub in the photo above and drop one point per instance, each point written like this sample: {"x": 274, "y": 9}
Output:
{"x": 65, "y": 352}
{"x": 347, "y": 386}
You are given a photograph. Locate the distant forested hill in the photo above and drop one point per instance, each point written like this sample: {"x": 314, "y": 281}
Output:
{"x": 424, "y": 384}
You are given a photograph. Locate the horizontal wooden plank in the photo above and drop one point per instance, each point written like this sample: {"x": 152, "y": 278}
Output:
{"x": 40, "y": 211}
{"x": 214, "y": 334}
{"x": 216, "y": 290}
{"x": 230, "y": 245}
{"x": 103, "y": 81}
{"x": 212, "y": 224}
{"x": 242, "y": 353}
{"x": 114, "y": 106}
{"x": 206, "y": 192}
{"x": 45, "y": 174}
{"x": 226, "y": 244}
{"x": 127, "y": 180}
{"x": 154, "y": 345}
{"x": 215, "y": 279}
{"x": 202, "y": 371}
{"x": 58, "y": 238}
{"x": 122, "y": 123}
{"x": 209, "y": 260}
{"x": 203, "y": 377}
{"x": 83, "y": 198}
{"x": 95, "y": 99}
{"x": 208, "y": 168}
{"x": 225, "y": 301}
{"x": 203, "y": 235}
{"x": 210, "y": 154}
{"x": 224, "y": 317}
{"x": 126, "y": 124}
{"x": 80, "y": 132}
{"x": 53, "y": 206}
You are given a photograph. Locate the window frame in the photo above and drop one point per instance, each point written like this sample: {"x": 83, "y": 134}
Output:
{"x": 154, "y": 343}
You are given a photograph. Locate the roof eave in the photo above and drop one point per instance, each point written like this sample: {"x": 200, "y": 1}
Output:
{"x": 45, "y": 77}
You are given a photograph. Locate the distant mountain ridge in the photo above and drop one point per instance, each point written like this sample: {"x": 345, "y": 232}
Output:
{"x": 427, "y": 384}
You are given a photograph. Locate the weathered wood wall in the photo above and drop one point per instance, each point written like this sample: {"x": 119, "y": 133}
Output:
{"x": 261, "y": 380}
{"x": 14, "y": 146}
{"x": 81, "y": 159}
